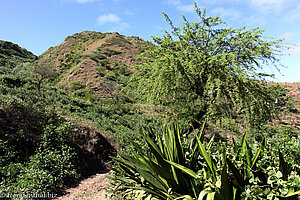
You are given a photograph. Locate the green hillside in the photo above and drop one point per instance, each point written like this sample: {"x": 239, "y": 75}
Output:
{"x": 93, "y": 60}
{"x": 179, "y": 121}
{"x": 12, "y": 55}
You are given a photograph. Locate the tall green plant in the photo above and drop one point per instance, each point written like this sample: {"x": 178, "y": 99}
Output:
{"x": 170, "y": 169}
{"x": 205, "y": 69}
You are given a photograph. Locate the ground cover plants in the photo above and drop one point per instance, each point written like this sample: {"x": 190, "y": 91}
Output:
{"x": 193, "y": 119}
{"x": 37, "y": 152}
{"x": 174, "y": 167}
{"x": 206, "y": 73}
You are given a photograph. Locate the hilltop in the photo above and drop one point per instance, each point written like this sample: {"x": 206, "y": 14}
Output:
{"x": 94, "y": 60}
{"x": 79, "y": 117}
{"x": 12, "y": 55}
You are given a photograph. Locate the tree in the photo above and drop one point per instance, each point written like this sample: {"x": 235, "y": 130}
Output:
{"x": 205, "y": 70}
{"x": 43, "y": 71}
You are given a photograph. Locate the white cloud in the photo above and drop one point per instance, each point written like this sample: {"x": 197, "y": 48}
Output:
{"x": 174, "y": 2}
{"x": 294, "y": 50}
{"x": 265, "y": 2}
{"x": 267, "y": 6}
{"x": 108, "y": 18}
{"x": 180, "y": 6}
{"x": 128, "y": 12}
{"x": 116, "y": 23}
{"x": 83, "y": 1}
{"x": 288, "y": 35}
{"x": 294, "y": 14}
{"x": 186, "y": 8}
{"x": 226, "y": 13}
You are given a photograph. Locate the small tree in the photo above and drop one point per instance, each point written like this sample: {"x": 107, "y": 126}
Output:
{"x": 203, "y": 69}
{"x": 43, "y": 71}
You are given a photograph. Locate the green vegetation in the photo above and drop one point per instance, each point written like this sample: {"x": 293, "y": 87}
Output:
{"x": 174, "y": 167}
{"x": 11, "y": 56}
{"x": 192, "y": 121}
{"x": 110, "y": 52}
{"x": 37, "y": 152}
{"x": 205, "y": 70}
{"x": 210, "y": 74}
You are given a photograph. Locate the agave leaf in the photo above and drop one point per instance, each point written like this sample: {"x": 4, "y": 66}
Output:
{"x": 239, "y": 180}
{"x": 152, "y": 145}
{"x": 235, "y": 146}
{"x": 196, "y": 150}
{"x": 207, "y": 158}
{"x": 166, "y": 176}
{"x": 249, "y": 155}
{"x": 297, "y": 193}
{"x": 144, "y": 170}
{"x": 183, "y": 169}
{"x": 153, "y": 179}
{"x": 243, "y": 144}
{"x": 202, "y": 194}
{"x": 257, "y": 153}
{"x": 140, "y": 195}
{"x": 283, "y": 166}
{"x": 133, "y": 161}
{"x": 211, "y": 196}
{"x": 185, "y": 197}
{"x": 178, "y": 143}
{"x": 194, "y": 158}
{"x": 156, "y": 151}
{"x": 154, "y": 191}
{"x": 208, "y": 146}
{"x": 160, "y": 143}
{"x": 225, "y": 190}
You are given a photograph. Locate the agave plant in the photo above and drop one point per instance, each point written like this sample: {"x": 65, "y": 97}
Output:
{"x": 157, "y": 174}
{"x": 169, "y": 169}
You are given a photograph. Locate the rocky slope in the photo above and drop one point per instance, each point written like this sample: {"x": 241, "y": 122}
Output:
{"x": 94, "y": 60}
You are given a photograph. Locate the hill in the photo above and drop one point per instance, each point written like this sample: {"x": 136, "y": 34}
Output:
{"x": 93, "y": 60}
{"x": 12, "y": 55}
{"x": 69, "y": 119}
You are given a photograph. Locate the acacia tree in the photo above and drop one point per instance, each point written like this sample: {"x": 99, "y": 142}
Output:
{"x": 43, "y": 72}
{"x": 205, "y": 69}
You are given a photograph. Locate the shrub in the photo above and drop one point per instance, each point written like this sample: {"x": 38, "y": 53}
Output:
{"x": 96, "y": 57}
{"x": 75, "y": 85}
{"x": 109, "y": 52}
{"x": 169, "y": 168}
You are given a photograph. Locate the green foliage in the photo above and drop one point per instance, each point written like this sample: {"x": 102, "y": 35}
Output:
{"x": 118, "y": 40}
{"x": 205, "y": 69}
{"x": 85, "y": 94}
{"x": 110, "y": 75}
{"x": 96, "y": 57}
{"x": 169, "y": 168}
{"x": 75, "y": 85}
{"x": 109, "y": 52}
{"x": 51, "y": 168}
{"x": 11, "y": 55}
{"x": 36, "y": 154}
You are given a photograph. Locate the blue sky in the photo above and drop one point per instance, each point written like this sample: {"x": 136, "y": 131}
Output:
{"x": 39, "y": 24}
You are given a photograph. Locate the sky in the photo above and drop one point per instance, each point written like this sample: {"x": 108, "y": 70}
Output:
{"x": 40, "y": 24}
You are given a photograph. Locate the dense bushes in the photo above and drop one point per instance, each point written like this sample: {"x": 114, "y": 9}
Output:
{"x": 36, "y": 153}
{"x": 37, "y": 162}
{"x": 49, "y": 169}
{"x": 174, "y": 167}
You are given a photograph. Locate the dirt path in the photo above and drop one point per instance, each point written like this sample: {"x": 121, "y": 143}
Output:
{"x": 92, "y": 188}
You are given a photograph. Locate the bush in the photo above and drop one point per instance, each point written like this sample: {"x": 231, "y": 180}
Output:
{"x": 109, "y": 52}
{"x": 96, "y": 57}
{"x": 169, "y": 168}
{"x": 75, "y": 85}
